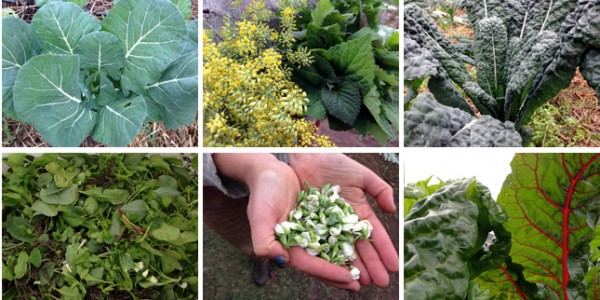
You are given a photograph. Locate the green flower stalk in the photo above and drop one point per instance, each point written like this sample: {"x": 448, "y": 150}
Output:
{"x": 325, "y": 225}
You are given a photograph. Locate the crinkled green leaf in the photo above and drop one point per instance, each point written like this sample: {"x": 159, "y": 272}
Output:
{"x": 344, "y": 102}
{"x": 119, "y": 122}
{"x": 48, "y": 86}
{"x": 431, "y": 124}
{"x": 444, "y": 235}
{"x": 151, "y": 33}
{"x": 61, "y": 25}
{"x": 324, "y": 8}
{"x": 549, "y": 199}
{"x": 354, "y": 57}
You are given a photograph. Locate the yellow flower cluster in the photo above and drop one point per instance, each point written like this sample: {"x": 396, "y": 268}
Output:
{"x": 249, "y": 99}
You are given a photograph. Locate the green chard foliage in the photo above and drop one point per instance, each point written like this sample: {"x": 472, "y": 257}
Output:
{"x": 353, "y": 81}
{"x": 546, "y": 226}
{"x": 524, "y": 53}
{"x": 105, "y": 226}
{"x": 73, "y": 76}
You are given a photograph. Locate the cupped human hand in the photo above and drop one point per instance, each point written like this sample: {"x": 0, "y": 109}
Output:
{"x": 378, "y": 257}
{"x": 273, "y": 189}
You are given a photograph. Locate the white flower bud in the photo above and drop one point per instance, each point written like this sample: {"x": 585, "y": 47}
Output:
{"x": 355, "y": 272}
{"x": 351, "y": 219}
{"x": 145, "y": 273}
{"x": 335, "y": 231}
{"x": 153, "y": 279}
{"x": 279, "y": 229}
{"x": 183, "y": 285}
{"x": 138, "y": 266}
{"x": 347, "y": 249}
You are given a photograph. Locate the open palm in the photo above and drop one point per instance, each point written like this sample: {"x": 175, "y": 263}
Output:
{"x": 379, "y": 256}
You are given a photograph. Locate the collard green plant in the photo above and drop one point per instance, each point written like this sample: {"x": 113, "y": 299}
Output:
{"x": 549, "y": 208}
{"x": 105, "y": 226}
{"x": 72, "y": 76}
{"x": 353, "y": 81}
{"x": 524, "y": 53}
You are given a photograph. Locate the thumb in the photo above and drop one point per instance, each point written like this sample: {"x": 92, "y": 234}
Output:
{"x": 262, "y": 225}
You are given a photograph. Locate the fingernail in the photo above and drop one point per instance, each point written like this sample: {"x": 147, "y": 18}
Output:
{"x": 280, "y": 261}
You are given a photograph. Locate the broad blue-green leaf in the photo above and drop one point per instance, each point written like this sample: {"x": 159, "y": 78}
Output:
{"x": 18, "y": 46}
{"x": 120, "y": 122}
{"x": 60, "y": 26}
{"x": 174, "y": 98}
{"x": 53, "y": 195}
{"x": 49, "y": 97}
{"x": 152, "y": 34}
{"x": 108, "y": 93}
{"x": 343, "y": 103}
{"x": 100, "y": 51}
{"x": 165, "y": 232}
{"x": 185, "y": 7}
{"x": 22, "y": 265}
{"x": 43, "y": 208}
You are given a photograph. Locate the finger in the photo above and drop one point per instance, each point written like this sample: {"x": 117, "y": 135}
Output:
{"x": 318, "y": 267}
{"x": 380, "y": 190}
{"x": 375, "y": 268}
{"x": 262, "y": 223}
{"x": 365, "y": 278}
{"x": 352, "y": 286}
{"x": 384, "y": 246}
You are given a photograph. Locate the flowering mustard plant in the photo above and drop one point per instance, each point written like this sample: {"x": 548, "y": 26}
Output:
{"x": 325, "y": 225}
{"x": 249, "y": 99}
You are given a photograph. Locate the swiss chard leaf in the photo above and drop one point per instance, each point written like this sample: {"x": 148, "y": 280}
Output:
{"x": 551, "y": 199}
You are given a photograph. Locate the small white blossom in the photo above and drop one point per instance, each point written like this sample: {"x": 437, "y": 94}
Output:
{"x": 138, "y": 266}
{"x": 183, "y": 285}
{"x": 351, "y": 219}
{"x": 153, "y": 279}
{"x": 355, "y": 272}
{"x": 145, "y": 273}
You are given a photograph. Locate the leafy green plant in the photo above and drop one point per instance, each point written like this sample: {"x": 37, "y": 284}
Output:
{"x": 353, "y": 80}
{"x": 106, "y": 226}
{"x": 553, "y": 127}
{"x": 538, "y": 241}
{"x": 524, "y": 54}
{"x": 72, "y": 76}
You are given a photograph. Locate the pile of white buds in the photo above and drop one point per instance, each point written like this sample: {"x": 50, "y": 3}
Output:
{"x": 325, "y": 225}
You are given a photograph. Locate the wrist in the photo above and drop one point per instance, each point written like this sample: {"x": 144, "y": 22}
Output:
{"x": 242, "y": 166}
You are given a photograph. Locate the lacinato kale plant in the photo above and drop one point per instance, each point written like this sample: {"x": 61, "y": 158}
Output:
{"x": 524, "y": 51}
{"x": 72, "y": 76}
{"x": 539, "y": 240}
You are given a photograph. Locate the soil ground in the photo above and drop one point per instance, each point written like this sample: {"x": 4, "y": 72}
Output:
{"x": 227, "y": 273}
{"x": 20, "y": 134}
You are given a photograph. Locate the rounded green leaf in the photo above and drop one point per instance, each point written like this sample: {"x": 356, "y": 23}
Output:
{"x": 43, "y": 208}
{"x": 60, "y": 26}
{"x": 48, "y": 96}
{"x": 101, "y": 51}
{"x": 22, "y": 265}
{"x": 120, "y": 122}
{"x": 152, "y": 38}
{"x": 35, "y": 258}
{"x": 60, "y": 196}
{"x": 165, "y": 232}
